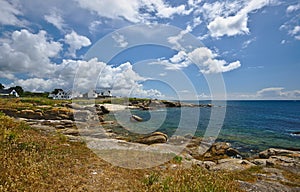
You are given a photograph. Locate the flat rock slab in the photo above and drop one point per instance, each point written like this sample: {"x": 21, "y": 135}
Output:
{"x": 232, "y": 165}
{"x": 266, "y": 186}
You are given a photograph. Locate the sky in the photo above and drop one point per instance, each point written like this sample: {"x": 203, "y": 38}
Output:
{"x": 193, "y": 49}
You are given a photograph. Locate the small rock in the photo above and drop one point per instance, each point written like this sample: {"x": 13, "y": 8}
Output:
{"x": 136, "y": 118}
{"x": 73, "y": 132}
{"x": 104, "y": 110}
{"x": 231, "y": 152}
{"x": 59, "y": 127}
{"x": 74, "y": 106}
{"x": 259, "y": 162}
{"x": 156, "y": 137}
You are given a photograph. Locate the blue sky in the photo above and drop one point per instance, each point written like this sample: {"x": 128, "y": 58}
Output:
{"x": 253, "y": 45}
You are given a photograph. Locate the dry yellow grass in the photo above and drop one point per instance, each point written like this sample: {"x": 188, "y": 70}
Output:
{"x": 32, "y": 160}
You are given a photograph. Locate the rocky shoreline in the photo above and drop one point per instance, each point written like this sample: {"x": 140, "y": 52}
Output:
{"x": 193, "y": 151}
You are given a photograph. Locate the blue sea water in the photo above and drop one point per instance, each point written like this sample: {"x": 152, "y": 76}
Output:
{"x": 250, "y": 126}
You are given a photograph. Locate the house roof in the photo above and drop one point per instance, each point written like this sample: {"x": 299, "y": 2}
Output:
{"x": 5, "y": 91}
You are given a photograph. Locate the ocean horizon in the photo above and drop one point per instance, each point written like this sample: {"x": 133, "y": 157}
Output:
{"x": 249, "y": 125}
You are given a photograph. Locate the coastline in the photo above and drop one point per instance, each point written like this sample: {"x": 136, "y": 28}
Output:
{"x": 112, "y": 146}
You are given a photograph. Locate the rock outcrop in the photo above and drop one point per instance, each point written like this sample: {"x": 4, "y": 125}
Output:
{"x": 156, "y": 137}
{"x": 278, "y": 152}
{"x": 278, "y": 157}
{"x": 221, "y": 150}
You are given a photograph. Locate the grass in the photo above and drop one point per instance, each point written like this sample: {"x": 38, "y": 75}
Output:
{"x": 195, "y": 179}
{"x": 29, "y": 103}
{"x": 33, "y": 160}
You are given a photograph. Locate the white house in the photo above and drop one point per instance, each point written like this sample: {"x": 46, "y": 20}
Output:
{"x": 61, "y": 94}
{"x": 106, "y": 93}
{"x": 7, "y": 93}
{"x": 92, "y": 94}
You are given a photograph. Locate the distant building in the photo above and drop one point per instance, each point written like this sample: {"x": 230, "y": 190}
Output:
{"x": 61, "y": 94}
{"x": 8, "y": 93}
{"x": 104, "y": 94}
{"x": 92, "y": 94}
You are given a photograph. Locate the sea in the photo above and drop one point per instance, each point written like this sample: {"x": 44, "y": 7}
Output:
{"x": 250, "y": 126}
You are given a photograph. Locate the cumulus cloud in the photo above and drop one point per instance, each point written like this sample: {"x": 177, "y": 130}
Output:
{"x": 293, "y": 8}
{"x": 27, "y": 52}
{"x": 26, "y": 59}
{"x": 228, "y": 24}
{"x": 40, "y": 84}
{"x": 76, "y": 42}
{"x": 278, "y": 93}
{"x": 295, "y": 30}
{"x": 216, "y": 9}
{"x": 166, "y": 11}
{"x": 203, "y": 57}
{"x": 291, "y": 26}
{"x": 83, "y": 76}
{"x": 121, "y": 8}
{"x": 131, "y": 10}
{"x": 208, "y": 62}
{"x": 55, "y": 19}
{"x": 9, "y": 13}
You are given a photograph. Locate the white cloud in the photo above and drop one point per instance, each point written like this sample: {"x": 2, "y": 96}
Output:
{"x": 208, "y": 62}
{"x": 120, "y": 40}
{"x": 292, "y": 24}
{"x": 293, "y": 8}
{"x": 179, "y": 57}
{"x": 203, "y": 57}
{"x": 40, "y": 84}
{"x": 131, "y": 10}
{"x": 76, "y": 42}
{"x": 164, "y": 11}
{"x": 248, "y": 42}
{"x": 230, "y": 26}
{"x": 176, "y": 40}
{"x": 295, "y": 30}
{"x": 204, "y": 96}
{"x": 224, "y": 23}
{"x": 85, "y": 75}
{"x": 26, "y": 60}
{"x": 55, "y": 19}
{"x": 278, "y": 93}
{"x": 28, "y": 53}
{"x": 94, "y": 26}
{"x": 196, "y": 21}
{"x": 113, "y": 9}
{"x": 6, "y": 75}
{"x": 211, "y": 11}
{"x": 9, "y": 13}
